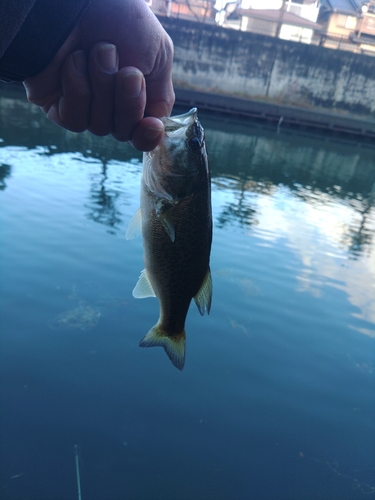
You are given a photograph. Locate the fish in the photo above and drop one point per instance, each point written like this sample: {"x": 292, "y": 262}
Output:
{"x": 175, "y": 220}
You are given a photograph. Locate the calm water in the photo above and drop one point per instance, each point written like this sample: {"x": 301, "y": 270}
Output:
{"x": 276, "y": 400}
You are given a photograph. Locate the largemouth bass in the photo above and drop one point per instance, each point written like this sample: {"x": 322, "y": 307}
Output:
{"x": 176, "y": 224}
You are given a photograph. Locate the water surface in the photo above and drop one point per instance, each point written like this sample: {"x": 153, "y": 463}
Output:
{"x": 276, "y": 400}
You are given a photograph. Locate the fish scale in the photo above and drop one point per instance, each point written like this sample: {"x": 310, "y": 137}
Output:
{"x": 176, "y": 225}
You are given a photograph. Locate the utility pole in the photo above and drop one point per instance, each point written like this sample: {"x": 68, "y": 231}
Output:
{"x": 280, "y": 20}
{"x": 364, "y": 9}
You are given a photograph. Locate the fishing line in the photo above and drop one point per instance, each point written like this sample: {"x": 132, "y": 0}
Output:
{"x": 77, "y": 472}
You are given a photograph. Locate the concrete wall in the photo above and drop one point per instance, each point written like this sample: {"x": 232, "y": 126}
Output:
{"x": 214, "y": 59}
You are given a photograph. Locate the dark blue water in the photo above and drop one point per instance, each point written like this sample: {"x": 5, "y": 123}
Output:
{"x": 276, "y": 400}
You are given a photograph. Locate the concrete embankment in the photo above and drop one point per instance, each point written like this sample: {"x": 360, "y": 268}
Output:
{"x": 275, "y": 79}
{"x": 278, "y": 114}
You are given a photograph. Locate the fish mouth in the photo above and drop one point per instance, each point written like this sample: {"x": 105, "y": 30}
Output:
{"x": 180, "y": 121}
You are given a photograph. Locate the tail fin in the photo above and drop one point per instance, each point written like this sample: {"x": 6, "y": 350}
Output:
{"x": 174, "y": 345}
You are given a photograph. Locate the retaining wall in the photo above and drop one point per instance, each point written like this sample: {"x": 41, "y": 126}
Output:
{"x": 214, "y": 59}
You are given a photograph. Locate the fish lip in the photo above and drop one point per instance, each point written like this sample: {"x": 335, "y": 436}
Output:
{"x": 179, "y": 121}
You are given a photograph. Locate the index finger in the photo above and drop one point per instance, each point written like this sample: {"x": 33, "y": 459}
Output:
{"x": 160, "y": 97}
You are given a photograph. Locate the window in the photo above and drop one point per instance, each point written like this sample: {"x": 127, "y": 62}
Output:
{"x": 348, "y": 22}
{"x": 351, "y": 23}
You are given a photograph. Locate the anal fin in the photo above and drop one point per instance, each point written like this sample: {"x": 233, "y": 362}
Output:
{"x": 143, "y": 288}
{"x": 204, "y": 296}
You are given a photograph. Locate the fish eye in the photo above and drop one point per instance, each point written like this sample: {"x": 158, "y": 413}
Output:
{"x": 194, "y": 144}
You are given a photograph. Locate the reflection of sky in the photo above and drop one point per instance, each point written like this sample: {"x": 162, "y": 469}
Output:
{"x": 316, "y": 228}
{"x": 315, "y": 233}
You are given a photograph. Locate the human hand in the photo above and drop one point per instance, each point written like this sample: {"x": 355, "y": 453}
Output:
{"x": 111, "y": 76}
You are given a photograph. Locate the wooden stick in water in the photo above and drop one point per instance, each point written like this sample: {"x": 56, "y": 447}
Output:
{"x": 77, "y": 472}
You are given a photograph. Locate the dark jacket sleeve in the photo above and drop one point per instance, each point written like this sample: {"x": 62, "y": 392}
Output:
{"x": 32, "y": 31}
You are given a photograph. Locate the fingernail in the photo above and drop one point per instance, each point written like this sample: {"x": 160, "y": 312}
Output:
{"x": 132, "y": 84}
{"x": 79, "y": 61}
{"x": 107, "y": 57}
{"x": 152, "y": 133}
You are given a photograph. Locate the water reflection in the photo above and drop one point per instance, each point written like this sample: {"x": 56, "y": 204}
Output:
{"x": 315, "y": 193}
{"x": 243, "y": 207}
{"x": 247, "y": 161}
{"x": 312, "y": 194}
{"x": 5, "y": 171}
{"x": 24, "y": 125}
{"x": 103, "y": 200}
{"x": 318, "y": 172}
{"x": 360, "y": 238}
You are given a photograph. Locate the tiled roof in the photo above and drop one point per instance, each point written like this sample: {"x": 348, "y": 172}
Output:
{"x": 349, "y": 7}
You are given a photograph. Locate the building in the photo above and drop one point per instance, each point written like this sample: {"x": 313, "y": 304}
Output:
{"x": 278, "y": 23}
{"x": 336, "y": 24}
{"x": 288, "y": 19}
{"x": 194, "y": 10}
{"x": 348, "y": 25}
{"x": 307, "y": 9}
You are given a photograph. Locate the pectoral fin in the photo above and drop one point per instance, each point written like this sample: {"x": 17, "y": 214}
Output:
{"x": 174, "y": 345}
{"x": 204, "y": 296}
{"x": 143, "y": 288}
{"x": 168, "y": 225}
{"x": 162, "y": 211}
{"x": 135, "y": 226}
